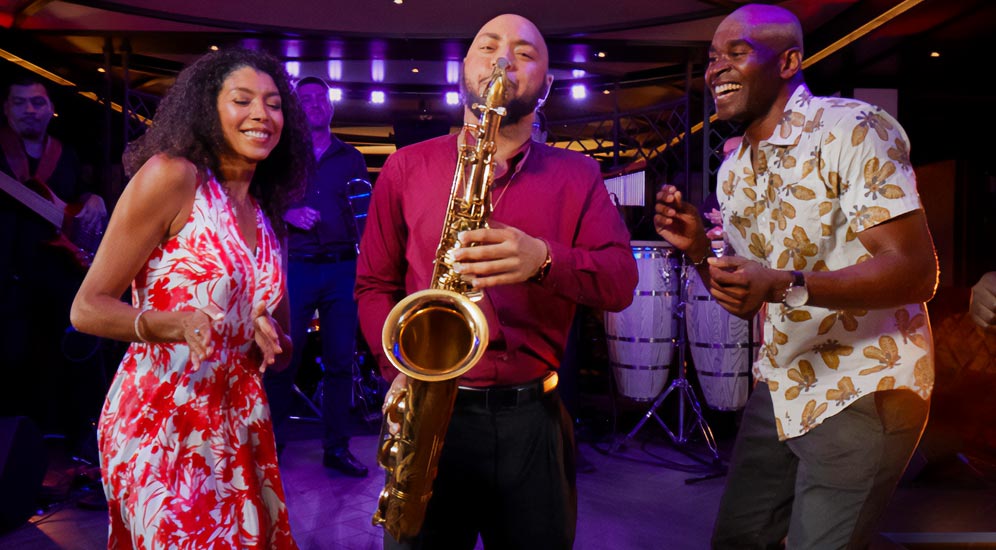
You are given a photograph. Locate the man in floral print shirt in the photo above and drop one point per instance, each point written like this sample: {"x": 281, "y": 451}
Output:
{"x": 820, "y": 204}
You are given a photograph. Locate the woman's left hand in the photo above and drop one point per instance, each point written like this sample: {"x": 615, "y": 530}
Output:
{"x": 268, "y": 335}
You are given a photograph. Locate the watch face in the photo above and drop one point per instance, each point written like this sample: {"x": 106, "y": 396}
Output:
{"x": 796, "y": 296}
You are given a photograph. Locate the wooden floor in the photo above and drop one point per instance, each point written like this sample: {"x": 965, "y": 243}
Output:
{"x": 649, "y": 493}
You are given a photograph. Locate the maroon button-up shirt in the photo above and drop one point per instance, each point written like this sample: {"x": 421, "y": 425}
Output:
{"x": 553, "y": 194}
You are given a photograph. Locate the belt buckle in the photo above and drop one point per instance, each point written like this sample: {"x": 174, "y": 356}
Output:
{"x": 497, "y": 400}
{"x": 510, "y": 399}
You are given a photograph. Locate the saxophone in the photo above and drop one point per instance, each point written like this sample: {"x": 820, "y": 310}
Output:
{"x": 435, "y": 335}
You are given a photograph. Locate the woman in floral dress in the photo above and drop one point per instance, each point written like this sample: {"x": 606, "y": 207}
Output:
{"x": 186, "y": 444}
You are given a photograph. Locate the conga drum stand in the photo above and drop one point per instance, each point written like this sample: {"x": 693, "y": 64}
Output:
{"x": 687, "y": 400}
{"x": 309, "y": 402}
{"x": 312, "y": 401}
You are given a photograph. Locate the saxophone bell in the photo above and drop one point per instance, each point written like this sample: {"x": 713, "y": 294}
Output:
{"x": 434, "y": 335}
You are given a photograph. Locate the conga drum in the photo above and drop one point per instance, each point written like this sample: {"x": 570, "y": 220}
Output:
{"x": 641, "y": 338}
{"x": 723, "y": 347}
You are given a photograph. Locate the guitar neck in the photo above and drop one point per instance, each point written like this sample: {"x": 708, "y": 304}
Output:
{"x": 39, "y": 204}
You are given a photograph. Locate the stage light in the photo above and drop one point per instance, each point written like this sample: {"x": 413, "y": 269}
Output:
{"x": 335, "y": 69}
{"x": 334, "y": 49}
{"x": 292, "y": 48}
{"x": 377, "y": 70}
{"x": 578, "y": 91}
{"x": 452, "y": 98}
{"x": 578, "y": 73}
{"x": 335, "y": 94}
{"x": 213, "y": 48}
{"x": 377, "y": 97}
{"x": 579, "y": 53}
{"x": 452, "y": 71}
{"x": 293, "y": 68}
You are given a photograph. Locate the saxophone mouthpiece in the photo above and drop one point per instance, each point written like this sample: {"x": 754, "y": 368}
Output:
{"x": 494, "y": 91}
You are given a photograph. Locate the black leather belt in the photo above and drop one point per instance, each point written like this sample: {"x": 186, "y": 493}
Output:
{"x": 325, "y": 257}
{"x": 497, "y": 398}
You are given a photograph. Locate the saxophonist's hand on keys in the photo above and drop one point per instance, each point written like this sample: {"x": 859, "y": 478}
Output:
{"x": 501, "y": 255}
{"x": 399, "y": 383}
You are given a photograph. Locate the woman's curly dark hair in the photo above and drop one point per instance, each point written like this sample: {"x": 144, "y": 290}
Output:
{"x": 187, "y": 125}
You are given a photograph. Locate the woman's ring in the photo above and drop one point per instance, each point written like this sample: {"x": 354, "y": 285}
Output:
{"x": 197, "y": 331}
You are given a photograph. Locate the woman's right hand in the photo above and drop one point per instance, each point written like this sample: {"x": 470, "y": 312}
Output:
{"x": 198, "y": 332}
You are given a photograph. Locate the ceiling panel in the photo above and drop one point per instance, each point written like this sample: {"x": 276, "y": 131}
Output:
{"x": 638, "y": 51}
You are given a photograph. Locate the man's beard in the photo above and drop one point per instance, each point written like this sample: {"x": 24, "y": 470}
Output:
{"x": 318, "y": 122}
{"x": 34, "y": 129}
{"x": 516, "y": 108}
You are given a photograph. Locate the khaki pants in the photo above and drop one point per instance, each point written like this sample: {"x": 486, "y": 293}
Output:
{"x": 825, "y": 489}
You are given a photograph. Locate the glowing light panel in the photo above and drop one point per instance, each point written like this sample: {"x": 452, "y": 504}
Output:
{"x": 452, "y": 71}
{"x": 377, "y": 70}
{"x": 335, "y": 69}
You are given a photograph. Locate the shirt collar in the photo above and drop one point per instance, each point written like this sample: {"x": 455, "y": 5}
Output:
{"x": 518, "y": 159}
{"x": 334, "y": 145}
{"x": 793, "y": 119}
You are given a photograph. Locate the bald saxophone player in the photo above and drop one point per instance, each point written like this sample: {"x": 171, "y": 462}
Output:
{"x": 555, "y": 241}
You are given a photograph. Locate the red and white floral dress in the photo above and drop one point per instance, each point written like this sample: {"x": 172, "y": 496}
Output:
{"x": 188, "y": 458}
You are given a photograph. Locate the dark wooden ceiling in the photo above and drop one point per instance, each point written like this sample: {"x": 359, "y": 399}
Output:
{"x": 630, "y": 54}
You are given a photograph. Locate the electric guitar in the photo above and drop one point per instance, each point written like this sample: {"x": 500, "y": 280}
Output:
{"x": 79, "y": 241}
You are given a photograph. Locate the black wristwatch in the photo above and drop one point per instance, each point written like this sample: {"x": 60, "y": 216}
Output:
{"x": 796, "y": 295}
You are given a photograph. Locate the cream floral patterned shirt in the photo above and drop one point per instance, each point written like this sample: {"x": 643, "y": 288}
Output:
{"x": 833, "y": 168}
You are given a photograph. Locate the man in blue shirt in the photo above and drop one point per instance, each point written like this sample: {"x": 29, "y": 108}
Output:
{"x": 321, "y": 273}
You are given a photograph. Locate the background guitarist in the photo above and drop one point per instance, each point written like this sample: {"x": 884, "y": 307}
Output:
{"x": 38, "y": 281}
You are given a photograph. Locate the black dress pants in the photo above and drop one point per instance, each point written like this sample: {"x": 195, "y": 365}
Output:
{"x": 506, "y": 474}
